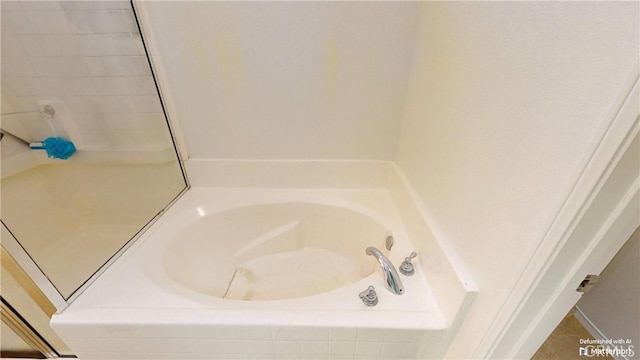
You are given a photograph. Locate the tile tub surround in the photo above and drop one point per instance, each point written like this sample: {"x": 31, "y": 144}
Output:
{"x": 125, "y": 314}
{"x": 87, "y": 60}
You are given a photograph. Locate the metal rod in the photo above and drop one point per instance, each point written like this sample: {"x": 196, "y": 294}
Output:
{"x": 21, "y": 112}
{"x": 4, "y": 132}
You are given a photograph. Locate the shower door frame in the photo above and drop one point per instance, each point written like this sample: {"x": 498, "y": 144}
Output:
{"x": 22, "y": 257}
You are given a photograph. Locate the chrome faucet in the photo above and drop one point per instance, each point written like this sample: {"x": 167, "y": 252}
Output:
{"x": 391, "y": 279}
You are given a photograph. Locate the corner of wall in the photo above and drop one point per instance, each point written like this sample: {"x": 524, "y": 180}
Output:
{"x": 452, "y": 285}
{"x": 159, "y": 70}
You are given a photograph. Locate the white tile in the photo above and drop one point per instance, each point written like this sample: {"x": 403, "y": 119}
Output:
{"x": 31, "y": 45}
{"x": 5, "y": 25}
{"x": 316, "y": 333}
{"x": 12, "y": 46}
{"x": 142, "y": 85}
{"x": 95, "y": 138}
{"x": 251, "y": 332}
{"x": 41, "y": 67}
{"x": 119, "y": 344}
{"x": 58, "y": 22}
{"x": 144, "y": 65}
{"x": 260, "y": 347}
{"x": 106, "y": 22}
{"x": 147, "y": 103}
{"x": 126, "y": 121}
{"x": 51, "y": 5}
{"x": 316, "y": 357}
{"x": 370, "y": 334}
{"x": 283, "y": 347}
{"x": 368, "y": 349}
{"x": 9, "y": 6}
{"x": 127, "y": 139}
{"x": 262, "y": 357}
{"x": 21, "y": 103}
{"x": 126, "y": 355}
{"x": 31, "y": 5}
{"x": 126, "y": 44}
{"x": 94, "y": 21}
{"x": 7, "y": 90}
{"x": 16, "y": 67}
{"x": 49, "y": 45}
{"x": 130, "y": 21}
{"x": 209, "y": 346}
{"x": 95, "y": 45}
{"x": 78, "y": 86}
{"x": 395, "y": 349}
{"x": 78, "y": 22}
{"x": 346, "y": 348}
{"x": 68, "y": 66}
{"x": 70, "y": 5}
{"x": 112, "y": 66}
{"x": 134, "y": 65}
{"x": 400, "y": 335}
{"x": 229, "y": 346}
{"x": 20, "y": 86}
{"x": 343, "y": 334}
{"x": 112, "y": 85}
{"x": 315, "y": 347}
{"x": 51, "y": 86}
{"x": 69, "y": 45}
{"x": 38, "y": 21}
{"x": 83, "y": 104}
{"x": 227, "y": 332}
{"x": 95, "y": 121}
{"x": 95, "y": 66}
{"x": 19, "y": 23}
{"x": 285, "y": 333}
{"x": 287, "y": 357}
{"x": 109, "y": 5}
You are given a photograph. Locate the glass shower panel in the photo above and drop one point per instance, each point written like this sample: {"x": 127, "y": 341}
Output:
{"x": 78, "y": 71}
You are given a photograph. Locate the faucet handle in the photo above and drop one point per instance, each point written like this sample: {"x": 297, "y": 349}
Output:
{"x": 406, "y": 268}
{"x": 369, "y": 296}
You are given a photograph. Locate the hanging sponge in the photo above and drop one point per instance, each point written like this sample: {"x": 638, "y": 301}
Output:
{"x": 56, "y": 147}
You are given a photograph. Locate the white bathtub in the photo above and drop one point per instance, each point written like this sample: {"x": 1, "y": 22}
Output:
{"x": 258, "y": 273}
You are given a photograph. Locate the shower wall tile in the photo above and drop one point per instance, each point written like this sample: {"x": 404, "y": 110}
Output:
{"x": 38, "y": 22}
{"x": 18, "y": 22}
{"x": 88, "y": 55}
{"x": 59, "y": 23}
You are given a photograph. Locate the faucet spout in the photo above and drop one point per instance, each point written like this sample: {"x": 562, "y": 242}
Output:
{"x": 391, "y": 279}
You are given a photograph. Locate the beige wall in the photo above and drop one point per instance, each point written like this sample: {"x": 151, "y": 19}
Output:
{"x": 291, "y": 80}
{"x": 504, "y": 102}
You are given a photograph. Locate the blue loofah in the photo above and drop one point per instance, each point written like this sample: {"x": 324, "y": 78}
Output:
{"x": 56, "y": 147}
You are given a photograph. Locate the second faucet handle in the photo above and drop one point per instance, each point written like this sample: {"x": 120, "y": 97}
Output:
{"x": 406, "y": 268}
{"x": 369, "y": 296}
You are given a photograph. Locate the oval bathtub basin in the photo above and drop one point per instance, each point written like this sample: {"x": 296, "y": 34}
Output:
{"x": 273, "y": 251}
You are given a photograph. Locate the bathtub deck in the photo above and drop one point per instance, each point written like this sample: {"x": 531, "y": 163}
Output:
{"x": 125, "y": 303}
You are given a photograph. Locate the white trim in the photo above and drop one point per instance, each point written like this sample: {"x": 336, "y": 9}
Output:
{"x": 610, "y": 238}
{"x": 522, "y": 311}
